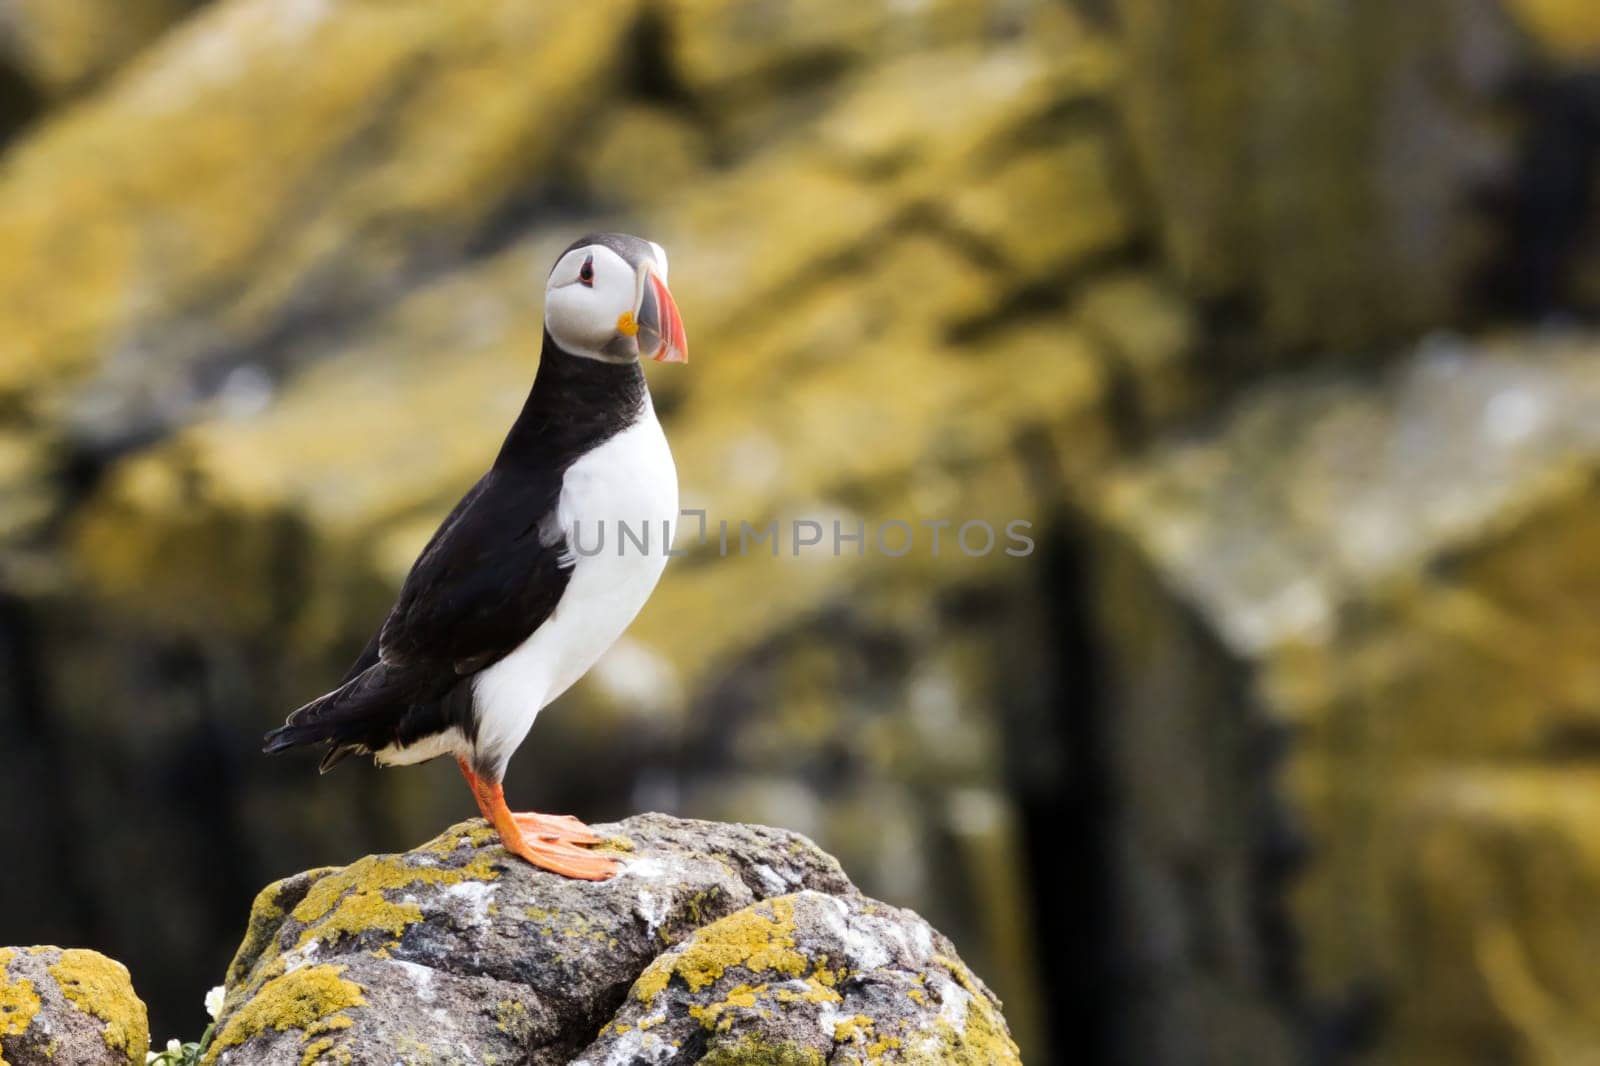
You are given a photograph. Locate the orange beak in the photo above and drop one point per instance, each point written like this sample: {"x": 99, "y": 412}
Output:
{"x": 661, "y": 335}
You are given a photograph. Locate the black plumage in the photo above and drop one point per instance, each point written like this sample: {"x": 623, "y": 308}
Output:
{"x": 491, "y": 574}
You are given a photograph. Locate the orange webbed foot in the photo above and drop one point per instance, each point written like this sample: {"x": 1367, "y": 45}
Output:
{"x": 562, "y": 827}
{"x": 564, "y": 859}
{"x": 548, "y": 841}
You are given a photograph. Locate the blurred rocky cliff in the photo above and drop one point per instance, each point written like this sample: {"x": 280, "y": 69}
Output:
{"x": 1279, "y": 739}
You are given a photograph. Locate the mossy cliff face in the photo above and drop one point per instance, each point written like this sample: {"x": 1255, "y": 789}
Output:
{"x": 276, "y": 183}
{"x": 271, "y": 298}
{"x": 1327, "y": 162}
{"x": 879, "y": 333}
{"x": 68, "y": 1006}
{"x": 61, "y": 47}
{"x": 1374, "y": 603}
{"x": 713, "y": 940}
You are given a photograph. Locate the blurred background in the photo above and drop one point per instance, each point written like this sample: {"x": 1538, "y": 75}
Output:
{"x": 1282, "y": 747}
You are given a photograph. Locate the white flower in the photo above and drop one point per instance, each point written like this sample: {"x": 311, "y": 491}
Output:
{"x": 174, "y": 1047}
{"x": 214, "y": 1000}
{"x": 150, "y": 1056}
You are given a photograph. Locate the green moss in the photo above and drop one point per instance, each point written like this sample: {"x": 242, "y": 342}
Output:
{"x": 697, "y": 904}
{"x": 18, "y": 1002}
{"x": 99, "y": 986}
{"x": 311, "y": 999}
{"x": 413, "y": 1051}
{"x": 749, "y": 1051}
{"x": 573, "y": 926}
{"x": 511, "y": 1017}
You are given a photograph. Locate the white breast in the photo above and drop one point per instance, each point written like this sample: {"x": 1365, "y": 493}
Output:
{"x": 628, "y": 483}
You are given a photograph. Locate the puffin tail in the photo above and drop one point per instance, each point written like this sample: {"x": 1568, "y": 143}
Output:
{"x": 342, "y": 718}
{"x": 376, "y": 707}
{"x": 286, "y": 737}
{"x": 308, "y": 725}
{"x": 282, "y": 739}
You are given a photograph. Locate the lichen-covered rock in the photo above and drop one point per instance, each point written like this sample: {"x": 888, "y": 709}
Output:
{"x": 713, "y": 940}
{"x": 1568, "y": 30}
{"x": 1325, "y": 160}
{"x": 276, "y": 185}
{"x": 68, "y": 1005}
{"x": 61, "y": 45}
{"x": 1371, "y": 606}
{"x": 942, "y": 354}
{"x": 809, "y": 979}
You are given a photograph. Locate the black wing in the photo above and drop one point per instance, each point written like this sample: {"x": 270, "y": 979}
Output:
{"x": 491, "y": 574}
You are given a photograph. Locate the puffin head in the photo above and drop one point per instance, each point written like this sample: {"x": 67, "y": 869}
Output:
{"x": 607, "y": 299}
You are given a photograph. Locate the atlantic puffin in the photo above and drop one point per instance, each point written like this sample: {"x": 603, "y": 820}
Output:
{"x": 510, "y": 602}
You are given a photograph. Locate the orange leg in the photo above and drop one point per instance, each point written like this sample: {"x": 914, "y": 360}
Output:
{"x": 546, "y": 851}
{"x": 551, "y": 826}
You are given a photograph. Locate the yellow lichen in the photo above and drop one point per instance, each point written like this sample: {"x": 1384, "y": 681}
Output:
{"x": 851, "y": 1028}
{"x": 315, "y": 1050}
{"x": 100, "y": 987}
{"x": 718, "y": 1016}
{"x": 980, "y": 1040}
{"x": 878, "y": 1048}
{"x": 275, "y": 967}
{"x": 475, "y": 833}
{"x": 859, "y": 1032}
{"x": 653, "y": 981}
{"x": 759, "y": 938}
{"x": 815, "y": 990}
{"x": 352, "y": 901}
{"x": 18, "y": 1002}
{"x": 266, "y": 918}
{"x": 310, "y": 999}
{"x": 962, "y": 975}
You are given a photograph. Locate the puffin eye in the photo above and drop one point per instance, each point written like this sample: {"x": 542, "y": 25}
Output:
{"x": 586, "y": 272}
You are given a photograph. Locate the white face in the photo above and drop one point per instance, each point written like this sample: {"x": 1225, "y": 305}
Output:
{"x": 589, "y": 292}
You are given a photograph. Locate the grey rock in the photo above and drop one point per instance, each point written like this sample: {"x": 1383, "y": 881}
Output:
{"x": 713, "y": 941}
{"x": 68, "y": 1006}
{"x": 807, "y": 978}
